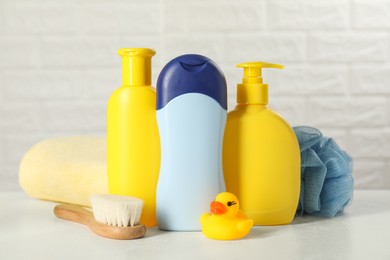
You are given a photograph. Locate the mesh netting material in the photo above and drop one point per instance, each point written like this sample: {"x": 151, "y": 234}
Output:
{"x": 326, "y": 174}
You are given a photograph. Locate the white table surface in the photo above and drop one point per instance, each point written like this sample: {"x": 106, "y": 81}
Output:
{"x": 29, "y": 230}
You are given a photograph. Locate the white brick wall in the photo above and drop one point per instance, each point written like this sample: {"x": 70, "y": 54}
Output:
{"x": 348, "y": 47}
{"x": 59, "y": 64}
{"x": 321, "y": 15}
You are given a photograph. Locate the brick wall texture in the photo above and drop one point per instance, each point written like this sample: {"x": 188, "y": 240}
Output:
{"x": 59, "y": 64}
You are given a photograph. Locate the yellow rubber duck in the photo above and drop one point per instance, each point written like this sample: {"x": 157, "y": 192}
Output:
{"x": 226, "y": 221}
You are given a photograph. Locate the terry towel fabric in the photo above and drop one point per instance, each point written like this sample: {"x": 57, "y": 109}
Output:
{"x": 65, "y": 169}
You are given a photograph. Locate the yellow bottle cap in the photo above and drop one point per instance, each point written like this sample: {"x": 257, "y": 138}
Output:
{"x": 136, "y": 66}
{"x": 252, "y": 90}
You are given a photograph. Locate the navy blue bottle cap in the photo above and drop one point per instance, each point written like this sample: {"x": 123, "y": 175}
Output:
{"x": 191, "y": 73}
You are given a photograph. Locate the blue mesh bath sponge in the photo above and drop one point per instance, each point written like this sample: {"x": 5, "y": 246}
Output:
{"x": 326, "y": 174}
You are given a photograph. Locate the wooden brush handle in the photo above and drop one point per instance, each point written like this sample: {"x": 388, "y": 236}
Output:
{"x": 83, "y": 216}
{"x": 74, "y": 213}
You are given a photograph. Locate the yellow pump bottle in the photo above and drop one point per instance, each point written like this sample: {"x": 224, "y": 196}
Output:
{"x": 261, "y": 158}
{"x": 132, "y": 134}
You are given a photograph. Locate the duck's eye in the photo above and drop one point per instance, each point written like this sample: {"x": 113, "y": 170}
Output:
{"x": 231, "y": 203}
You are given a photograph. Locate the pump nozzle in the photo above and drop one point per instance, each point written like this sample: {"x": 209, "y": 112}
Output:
{"x": 252, "y": 71}
{"x": 252, "y": 90}
{"x": 136, "y": 66}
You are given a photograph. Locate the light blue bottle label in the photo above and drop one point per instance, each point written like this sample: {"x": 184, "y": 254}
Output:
{"x": 191, "y": 130}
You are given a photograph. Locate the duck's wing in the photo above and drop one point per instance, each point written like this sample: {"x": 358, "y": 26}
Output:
{"x": 245, "y": 225}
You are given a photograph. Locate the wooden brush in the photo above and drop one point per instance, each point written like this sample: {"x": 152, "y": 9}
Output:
{"x": 113, "y": 216}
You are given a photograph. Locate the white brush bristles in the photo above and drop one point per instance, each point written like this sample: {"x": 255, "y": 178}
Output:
{"x": 117, "y": 210}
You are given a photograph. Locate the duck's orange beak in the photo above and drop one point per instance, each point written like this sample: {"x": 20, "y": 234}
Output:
{"x": 217, "y": 208}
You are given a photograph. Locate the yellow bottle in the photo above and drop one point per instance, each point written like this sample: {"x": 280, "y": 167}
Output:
{"x": 132, "y": 133}
{"x": 261, "y": 159}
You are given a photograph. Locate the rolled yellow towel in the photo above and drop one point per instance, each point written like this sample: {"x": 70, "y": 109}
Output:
{"x": 65, "y": 169}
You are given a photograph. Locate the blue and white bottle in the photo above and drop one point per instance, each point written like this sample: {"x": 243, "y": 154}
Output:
{"x": 191, "y": 117}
